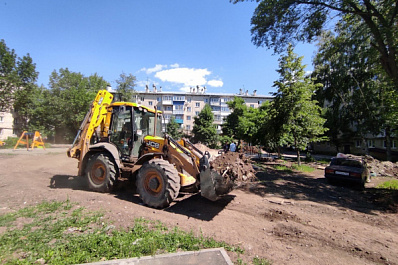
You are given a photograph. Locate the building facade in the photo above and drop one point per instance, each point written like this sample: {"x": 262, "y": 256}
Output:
{"x": 9, "y": 125}
{"x": 184, "y": 106}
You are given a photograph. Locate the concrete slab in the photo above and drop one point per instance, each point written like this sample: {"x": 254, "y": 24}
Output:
{"x": 214, "y": 256}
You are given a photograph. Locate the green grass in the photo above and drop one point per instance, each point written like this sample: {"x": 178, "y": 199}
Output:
{"x": 303, "y": 168}
{"x": 390, "y": 185}
{"x": 283, "y": 168}
{"x": 64, "y": 233}
{"x": 286, "y": 169}
{"x": 323, "y": 161}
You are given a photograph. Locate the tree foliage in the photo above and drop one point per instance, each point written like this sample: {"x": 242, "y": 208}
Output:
{"x": 357, "y": 94}
{"x": 17, "y": 80}
{"x": 125, "y": 87}
{"x": 275, "y": 24}
{"x": 174, "y": 129}
{"x": 232, "y": 125}
{"x": 293, "y": 106}
{"x": 204, "y": 130}
{"x": 68, "y": 101}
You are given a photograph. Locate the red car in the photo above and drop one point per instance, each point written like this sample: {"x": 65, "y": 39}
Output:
{"x": 348, "y": 169}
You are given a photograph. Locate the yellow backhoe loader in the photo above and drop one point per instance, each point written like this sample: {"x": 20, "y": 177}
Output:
{"x": 125, "y": 139}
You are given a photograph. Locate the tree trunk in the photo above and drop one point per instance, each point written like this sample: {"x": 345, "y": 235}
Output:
{"x": 388, "y": 143}
{"x": 298, "y": 157}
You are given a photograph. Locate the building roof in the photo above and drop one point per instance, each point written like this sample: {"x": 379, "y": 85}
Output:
{"x": 203, "y": 94}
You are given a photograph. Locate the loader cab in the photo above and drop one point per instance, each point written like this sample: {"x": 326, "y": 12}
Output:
{"x": 129, "y": 124}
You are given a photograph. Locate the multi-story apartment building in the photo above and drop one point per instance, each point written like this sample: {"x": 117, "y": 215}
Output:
{"x": 184, "y": 106}
{"x": 9, "y": 126}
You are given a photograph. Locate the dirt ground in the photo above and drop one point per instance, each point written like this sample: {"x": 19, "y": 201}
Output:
{"x": 284, "y": 218}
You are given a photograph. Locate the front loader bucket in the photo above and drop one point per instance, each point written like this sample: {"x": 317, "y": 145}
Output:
{"x": 213, "y": 185}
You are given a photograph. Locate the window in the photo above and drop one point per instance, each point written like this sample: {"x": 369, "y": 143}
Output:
{"x": 196, "y": 113}
{"x": 167, "y": 97}
{"x": 260, "y": 102}
{"x": 188, "y": 118}
{"x": 358, "y": 143}
{"x": 393, "y": 144}
{"x": 252, "y": 106}
{"x": 371, "y": 143}
{"x": 188, "y": 127}
{"x": 189, "y": 109}
{"x": 1, "y": 119}
{"x": 1, "y": 131}
{"x": 178, "y": 107}
{"x": 179, "y": 98}
{"x": 150, "y": 103}
{"x": 142, "y": 98}
{"x": 159, "y": 99}
{"x": 189, "y": 100}
{"x": 197, "y": 104}
{"x": 206, "y": 100}
{"x": 168, "y": 108}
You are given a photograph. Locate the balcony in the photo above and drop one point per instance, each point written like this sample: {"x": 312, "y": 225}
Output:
{"x": 214, "y": 102}
{"x": 178, "y": 112}
{"x": 179, "y": 121}
{"x": 167, "y": 102}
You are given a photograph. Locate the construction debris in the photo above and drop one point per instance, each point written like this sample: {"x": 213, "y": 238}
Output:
{"x": 382, "y": 168}
{"x": 235, "y": 166}
{"x": 376, "y": 167}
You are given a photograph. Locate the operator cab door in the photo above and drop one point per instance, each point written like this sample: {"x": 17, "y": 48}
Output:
{"x": 144, "y": 122}
{"x": 122, "y": 130}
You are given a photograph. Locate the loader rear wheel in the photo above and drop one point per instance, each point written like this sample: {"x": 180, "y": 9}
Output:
{"x": 158, "y": 183}
{"x": 100, "y": 172}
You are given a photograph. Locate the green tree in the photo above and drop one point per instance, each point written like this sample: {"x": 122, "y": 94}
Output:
{"x": 174, "y": 129}
{"x": 295, "y": 109}
{"x": 275, "y": 24}
{"x": 125, "y": 87}
{"x": 17, "y": 80}
{"x": 232, "y": 125}
{"x": 71, "y": 96}
{"x": 357, "y": 94}
{"x": 204, "y": 130}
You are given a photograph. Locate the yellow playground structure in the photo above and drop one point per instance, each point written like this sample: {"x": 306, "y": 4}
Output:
{"x": 37, "y": 140}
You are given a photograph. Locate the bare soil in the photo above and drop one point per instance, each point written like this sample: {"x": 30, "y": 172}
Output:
{"x": 286, "y": 218}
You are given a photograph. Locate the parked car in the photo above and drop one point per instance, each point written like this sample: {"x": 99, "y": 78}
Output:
{"x": 347, "y": 169}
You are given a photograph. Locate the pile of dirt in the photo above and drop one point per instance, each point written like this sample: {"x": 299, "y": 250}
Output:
{"x": 382, "y": 168}
{"x": 377, "y": 167}
{"x": 235, "y": 166}
{"x": 204, "y": 148}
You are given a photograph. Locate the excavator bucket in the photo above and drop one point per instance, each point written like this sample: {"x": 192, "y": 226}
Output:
{"x": 212, "y": 184}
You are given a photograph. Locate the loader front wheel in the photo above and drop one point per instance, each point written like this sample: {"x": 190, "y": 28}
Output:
{"x": 100, "y": 172}
{"x": 158, "y": 183}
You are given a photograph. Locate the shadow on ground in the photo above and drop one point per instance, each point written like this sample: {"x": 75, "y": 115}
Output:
{"x": 300, "y": 186}
{"x": 190, "y": 205}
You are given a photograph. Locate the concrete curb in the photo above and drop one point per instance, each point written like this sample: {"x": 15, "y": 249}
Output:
{"x": 217, "y": 256}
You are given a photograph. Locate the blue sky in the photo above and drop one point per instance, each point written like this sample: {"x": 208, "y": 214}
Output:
{"x": 171, "y": 43}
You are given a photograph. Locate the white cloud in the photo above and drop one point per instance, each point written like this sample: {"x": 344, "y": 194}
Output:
{"x": 215, "y": 83}
{"x": 186, "y": 76}
{"x": 185, "y": 89}
{"x": 176, "y": 65}
{"x": 157, "y": 68}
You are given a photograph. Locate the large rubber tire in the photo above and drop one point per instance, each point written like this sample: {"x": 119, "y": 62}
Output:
{"x": 100, "y": 172}
{"x": 158, "y": 183}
